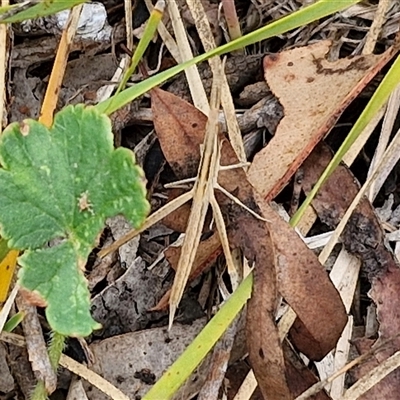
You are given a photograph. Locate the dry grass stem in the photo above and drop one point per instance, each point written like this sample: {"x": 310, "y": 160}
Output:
{"x": 128, "y": 24}
{"x": 207, "y": 39}
{"x": 195, "y": 83}
{"x": 5, "y": 310}
{"x": 389, "y": 363}
{"x": 57, "y": 74}
{"x": 150, "y": 221}
{"x": 376, "y": 27}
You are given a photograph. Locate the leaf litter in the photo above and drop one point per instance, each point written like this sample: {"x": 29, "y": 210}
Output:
{"x": 242, "y": 229}
{"x": 365, "y": 238}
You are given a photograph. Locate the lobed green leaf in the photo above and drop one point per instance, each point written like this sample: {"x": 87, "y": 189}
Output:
{"x": 58, "y": 186}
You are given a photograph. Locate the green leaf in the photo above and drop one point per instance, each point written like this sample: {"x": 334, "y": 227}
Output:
{"x": 35, "y": 9}
{"x": 60, "y": 185}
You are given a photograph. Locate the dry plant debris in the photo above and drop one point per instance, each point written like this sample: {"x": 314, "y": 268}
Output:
{"x": 365, "y": 238}
{"x": 312, "y": 76}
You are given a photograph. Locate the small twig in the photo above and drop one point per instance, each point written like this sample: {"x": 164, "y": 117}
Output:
{"x": 232, "y": 21}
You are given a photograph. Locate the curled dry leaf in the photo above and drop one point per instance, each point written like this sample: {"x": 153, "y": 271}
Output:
{"x": 259, "y": 244}
{"x": 303, "y": 79}
{"x": 363, "y": 237}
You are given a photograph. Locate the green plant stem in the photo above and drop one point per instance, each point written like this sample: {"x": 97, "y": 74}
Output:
{"x": 55, "y": 350}
{"x": 39, "y": 393}
{"x": 20, "y": 12}
{"x": 148, "y": 34}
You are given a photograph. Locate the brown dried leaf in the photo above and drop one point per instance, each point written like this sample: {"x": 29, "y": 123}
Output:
{"x": 263, "y": 341}
{"x": 363, "y": 237}
{"x": 177, "y": 220}
{"x": 302, "y": 281}
{"x": 306, "y": 287}
{"x": 303, "y": 79}
{"x": 179, "y": 126}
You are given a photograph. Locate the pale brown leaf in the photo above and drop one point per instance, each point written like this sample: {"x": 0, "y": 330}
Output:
{"x": 303, "y": 80}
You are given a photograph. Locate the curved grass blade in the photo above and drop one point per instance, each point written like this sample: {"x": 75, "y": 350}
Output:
{"x": 299, "y": 18}
{"x": 148, "y": 34}
{"x": 14, "y": 321}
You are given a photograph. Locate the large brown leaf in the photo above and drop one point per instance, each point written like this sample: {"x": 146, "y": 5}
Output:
{"x": 363, "y": 237}
{"x": 306, "y": 287}
{"x": 313, "y": 92}
{"x": 263, "y": 341}
{"x": 302, "y": 281}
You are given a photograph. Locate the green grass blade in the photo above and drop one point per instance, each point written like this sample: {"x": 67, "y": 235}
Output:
{"x": 148, "y": 35}
{"x": 14, "y": 321}
{"x": 379, "y": 98}
{"x": 299, "y": 18}
{"x": 183, "y": 367}
{"x": 43, "y": 8}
